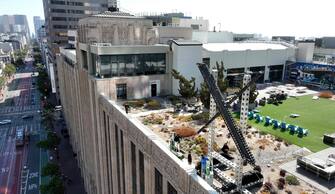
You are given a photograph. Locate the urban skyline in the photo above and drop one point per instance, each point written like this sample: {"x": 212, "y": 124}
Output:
{"x": 268, "y": 19}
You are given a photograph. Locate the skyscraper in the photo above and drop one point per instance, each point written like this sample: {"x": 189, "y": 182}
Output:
{"x": 15, "y": 24}
{"x": 38, "y": 23}
{"x": 61, "y": 16}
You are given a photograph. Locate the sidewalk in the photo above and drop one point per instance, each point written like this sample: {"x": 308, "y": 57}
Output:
{"x": 68, "y": 164}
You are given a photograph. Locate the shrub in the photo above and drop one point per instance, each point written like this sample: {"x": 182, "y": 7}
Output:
{"x": 174, "y": 99}
{"x": 135, "y": 103}
{"x": 280, "y": 185}
{"x": 198, "y": 150}
{"x": 292, "y": 180}
{"x": 282, "y": 180}
{"x": 152, "y": 119}
{"x": 282, "y": 173}
{"x": 288, "y": 191}
{"x": 263, "y": 133}
{"x": 200, "y": 140}
{"x": 268, "y": 186}
{"x": 204, "y": 116}
{"x": 326, "y": 94}
{"x": 185, "y": 118}
{"x": 153, "y": 104}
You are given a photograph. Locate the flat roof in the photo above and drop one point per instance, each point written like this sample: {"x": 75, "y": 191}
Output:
{"x": 69, "y": 53}
{"x": 215, "y": 47}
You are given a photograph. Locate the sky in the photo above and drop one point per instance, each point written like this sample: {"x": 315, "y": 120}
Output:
{"x": 301, "y": 18}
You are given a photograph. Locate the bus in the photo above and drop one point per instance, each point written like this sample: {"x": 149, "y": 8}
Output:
{"x": 19, "y": 137}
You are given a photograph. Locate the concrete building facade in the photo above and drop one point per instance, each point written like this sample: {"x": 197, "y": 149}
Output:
{"x": 118, "y": 57}
{"x": 116, "y": 153}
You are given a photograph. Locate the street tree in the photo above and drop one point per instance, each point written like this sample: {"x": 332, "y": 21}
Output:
{"x": 186, "y": 87}
{"x": 50, "y": 169}
{"x": 9, "y": 70}
{"x": 54, "y": 186}
{"x": 2, "y": 82}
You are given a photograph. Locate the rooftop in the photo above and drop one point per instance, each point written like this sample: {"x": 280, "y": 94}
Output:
{"x": 69, "y": 53}
{"x": 216, "y": 47}
{"x": 109, "y": 14}
{"x": 161, "y": 117}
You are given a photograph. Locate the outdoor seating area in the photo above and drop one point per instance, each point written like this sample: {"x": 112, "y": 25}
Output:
{"x": 292, "y": 129}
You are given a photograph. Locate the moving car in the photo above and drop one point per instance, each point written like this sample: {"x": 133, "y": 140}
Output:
{"x": 4, "y": 122}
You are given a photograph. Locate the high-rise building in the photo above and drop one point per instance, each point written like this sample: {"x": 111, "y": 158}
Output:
{"x": 61, "y": 16}
{"x": 15, "y": 24}
{"x": 38, "y": 23}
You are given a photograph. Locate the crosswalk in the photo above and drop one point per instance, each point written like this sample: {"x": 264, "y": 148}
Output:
{"x": 15, "y": 109}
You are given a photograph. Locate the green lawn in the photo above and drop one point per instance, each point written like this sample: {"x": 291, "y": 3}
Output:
{"x": 316, "y": 115}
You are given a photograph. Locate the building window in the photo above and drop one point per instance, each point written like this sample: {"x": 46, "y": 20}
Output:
{"x": 158, "y": 182}
{"x": 60, "y": 26}
{"x": 131, "y": 65}
{"x": 195, "y": 27}
{"x": 207, "y": 61}
{"x": 58, "y": 10}
{"x": 122, "y": 162}
{"x": 58, "y": 18}
{"x": 141, "y": 169}
{"x": 105, "y": 69}
{"x": 108, "y": 151}
{"x": 94, "y": 67}
{"x": 171, "y": 189}
{"x": 133, "y": 167}
{"x": 121, "y": 91}
{"x": 57, "y": 2}
{"x": 84, "y": 56}
{"x": 75, "y": 3}
{"x": 75, "y": 11}
{"x": 73, "y": 19}
{"x": 117, "y": 157}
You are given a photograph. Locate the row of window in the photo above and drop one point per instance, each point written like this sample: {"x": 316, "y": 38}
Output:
{"x": 119, "y": 148}
{"x": 130, "y": 65}
{"x": 64, "y": 19}
{"x": 71, "y": 3}
{"x": 73, "y": 11}
{"x": 59, "y": 26}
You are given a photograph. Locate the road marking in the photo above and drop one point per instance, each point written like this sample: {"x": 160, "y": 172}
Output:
{"x": 10, "y": 171}
{"x": 39, "y": 191}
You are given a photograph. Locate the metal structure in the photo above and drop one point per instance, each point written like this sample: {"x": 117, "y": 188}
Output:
{"x": 230, "y": 101}
{"x": 228, "y": 184}
{"x": 245, "y": 103}
{"x": 211, "y": 133}
{"x": 243, "y": 124}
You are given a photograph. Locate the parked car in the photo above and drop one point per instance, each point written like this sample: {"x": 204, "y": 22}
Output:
{"x": 4, "y": 122}
{"x": 27, "y": 116}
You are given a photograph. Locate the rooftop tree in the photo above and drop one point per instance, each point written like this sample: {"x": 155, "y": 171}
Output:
{"x": 186, "y": 87}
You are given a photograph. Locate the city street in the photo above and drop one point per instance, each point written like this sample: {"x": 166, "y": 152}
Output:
{"x": 20, "y": 166}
